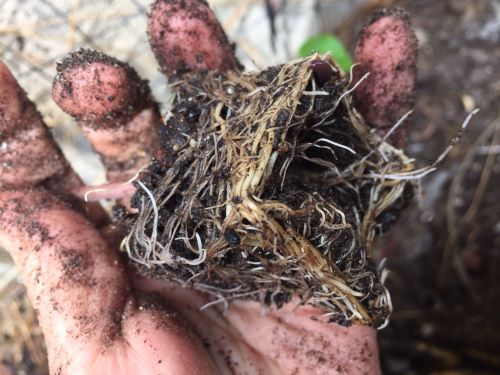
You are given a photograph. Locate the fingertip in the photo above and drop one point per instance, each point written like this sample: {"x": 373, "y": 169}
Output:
{"x": 9, "y": 101}
{"x": 99, "y": 89}
{"x": 17, "y": 112}
{"x": 28, "y": 153}
{"x": 186, "y": 34}
{"x": 387, "y": 49}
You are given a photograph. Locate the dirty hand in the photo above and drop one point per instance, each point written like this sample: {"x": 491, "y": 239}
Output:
{"x": 96, "y": 316}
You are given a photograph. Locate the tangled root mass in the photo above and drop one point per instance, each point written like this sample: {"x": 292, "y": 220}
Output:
{"x": 269, "y": 185}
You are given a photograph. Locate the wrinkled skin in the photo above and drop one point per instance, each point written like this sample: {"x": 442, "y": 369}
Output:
{"x": 96, "y": 315}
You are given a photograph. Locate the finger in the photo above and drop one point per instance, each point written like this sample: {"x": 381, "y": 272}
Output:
{"x": 29, "y": 156}
{"x": 91, "y": 321}
{"x": 72, "y": 280}
{"x": 186, "y": 34}
{"x": 28, "y": 152}
{"x": 387, "y": 49}
{"x": 114, "y": 108}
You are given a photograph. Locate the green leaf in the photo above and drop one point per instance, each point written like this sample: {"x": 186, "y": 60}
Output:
{"x": 323, "y": 43}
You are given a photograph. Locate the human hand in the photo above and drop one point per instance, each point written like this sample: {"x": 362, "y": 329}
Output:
{"x": 97, "y": 317}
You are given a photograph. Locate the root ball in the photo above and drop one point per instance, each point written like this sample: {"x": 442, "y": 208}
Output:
{"x": 275, "y": 187}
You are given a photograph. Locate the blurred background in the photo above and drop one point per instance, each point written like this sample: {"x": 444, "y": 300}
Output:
{"x": 444, "y": 253}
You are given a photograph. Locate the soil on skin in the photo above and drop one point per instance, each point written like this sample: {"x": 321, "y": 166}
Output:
{"x": 139, "y": 95}
{"x": 444, "y": 256}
